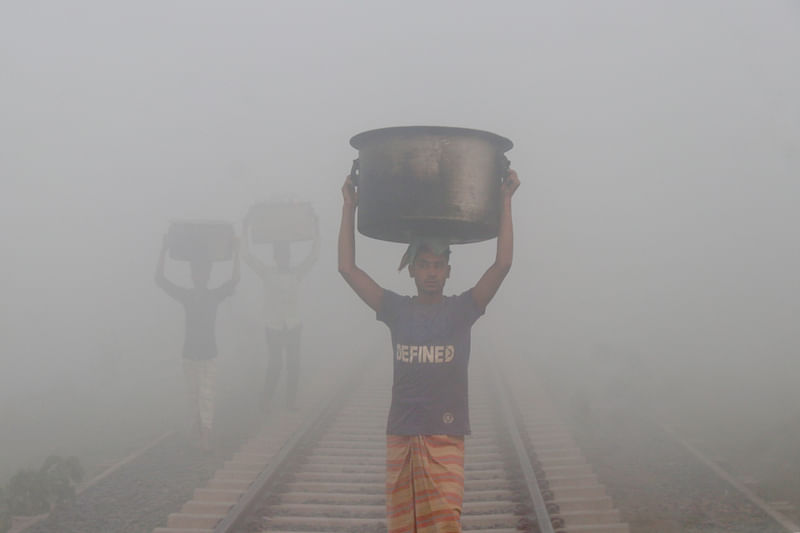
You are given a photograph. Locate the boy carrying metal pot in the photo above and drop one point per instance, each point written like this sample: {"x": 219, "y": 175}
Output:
{"x": 200, "y": 305}
{"x": 430, "y": 333}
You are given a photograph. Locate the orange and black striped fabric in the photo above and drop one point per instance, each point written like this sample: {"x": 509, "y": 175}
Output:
{"x": 424, "y": 483}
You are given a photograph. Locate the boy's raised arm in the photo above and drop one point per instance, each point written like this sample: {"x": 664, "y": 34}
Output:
{"x": 249, "y": 257}
{"x": 487, "y": 286}
{"x": 175, "y": 291}
{"x": 237, "y": 269}
{"x": 226, "y": 289}
{"x": 362, "y": 284}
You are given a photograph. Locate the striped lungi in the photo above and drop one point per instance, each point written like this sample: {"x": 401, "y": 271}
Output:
{"x": 201, "y": 387}
{"x": 424, "y": 483}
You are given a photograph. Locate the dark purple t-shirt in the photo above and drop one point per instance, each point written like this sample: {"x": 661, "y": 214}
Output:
{"x": 431, "y": 345}
{"x": 200, "y": 340}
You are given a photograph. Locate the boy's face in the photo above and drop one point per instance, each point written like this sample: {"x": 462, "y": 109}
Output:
{"x": 429, "y": 271}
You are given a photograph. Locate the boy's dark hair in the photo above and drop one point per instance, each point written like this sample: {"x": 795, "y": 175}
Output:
{"x": 433, "y": 245}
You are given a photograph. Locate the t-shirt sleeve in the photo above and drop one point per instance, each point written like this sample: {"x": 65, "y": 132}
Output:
{"x": 468, "y": 310}
{"x": 390, "y": 304}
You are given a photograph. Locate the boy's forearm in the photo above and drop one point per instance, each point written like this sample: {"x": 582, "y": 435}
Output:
{"x": 347, "y": 240}
{"x": 363, "y": 285}
{"x": 160, "y": 265}
{"x": 505, "y": 236}
{"x": 250, "y": 259}
{"x": 237, "y": 267}
{"x": 244, "y": 246}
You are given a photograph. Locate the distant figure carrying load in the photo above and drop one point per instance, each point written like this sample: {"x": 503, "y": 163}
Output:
{"x": 200, "y": 346}
{"x": 430, "y": 334}
{"x": 282, "y": 319}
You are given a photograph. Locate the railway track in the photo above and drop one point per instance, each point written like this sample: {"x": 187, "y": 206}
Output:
{"x": 523, "y": 472}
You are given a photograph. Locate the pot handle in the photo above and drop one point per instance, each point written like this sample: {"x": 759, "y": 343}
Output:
{"x": 355, "y": 171}
{"x": 505, "y": 166}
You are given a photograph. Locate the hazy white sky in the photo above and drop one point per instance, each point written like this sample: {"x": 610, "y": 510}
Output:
{"x": 657, "y": 143}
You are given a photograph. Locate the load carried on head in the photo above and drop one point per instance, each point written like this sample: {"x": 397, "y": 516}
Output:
{"x": 273, "y": 222}
{"x": 430, "y": 181}
{"x": 201, "y": 241}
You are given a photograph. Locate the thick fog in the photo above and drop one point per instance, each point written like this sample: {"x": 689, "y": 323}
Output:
{"x": 658, "y": 145}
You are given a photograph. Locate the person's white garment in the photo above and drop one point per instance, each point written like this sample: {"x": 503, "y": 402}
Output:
{"x": 201, "y": 385}
{"x": 280, "y": 299}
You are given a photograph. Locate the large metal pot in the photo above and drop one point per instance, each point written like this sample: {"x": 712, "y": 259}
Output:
{"x": 272, "y": 222}
{"x": 429, "y": 181}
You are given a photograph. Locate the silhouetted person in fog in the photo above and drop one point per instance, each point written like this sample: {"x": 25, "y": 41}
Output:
{"x": 430, "y": 334}
{"x": 200, "y": 344}
{"x": 281, "y": 283}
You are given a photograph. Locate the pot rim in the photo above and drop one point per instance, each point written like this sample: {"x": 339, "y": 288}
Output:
{"x": 358, "y": 140}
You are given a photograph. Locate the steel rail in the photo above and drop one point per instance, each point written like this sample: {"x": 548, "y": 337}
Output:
{"x": 779, "y": 517}
{"x": 266, "y": 479}
{"x": 504, "y": 396}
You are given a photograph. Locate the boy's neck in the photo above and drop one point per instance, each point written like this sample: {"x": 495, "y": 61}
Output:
{"x": 427, "y": 299}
